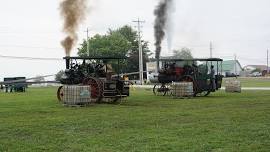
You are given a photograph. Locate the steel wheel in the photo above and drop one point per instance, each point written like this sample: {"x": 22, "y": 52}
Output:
{"x": 160, "y": 90}
{"x": 203, "y": 93}
{"x": 95, "y": 89}
{"x": 60, "y": 94}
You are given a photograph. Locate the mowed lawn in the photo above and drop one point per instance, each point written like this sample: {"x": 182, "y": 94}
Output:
{"x": 34, "y": 121}
{"x": 252, "y": 81}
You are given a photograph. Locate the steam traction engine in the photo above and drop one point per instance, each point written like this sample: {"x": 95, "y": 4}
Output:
{"x": 98, "y": 73}
{"x": 197, "y": 71}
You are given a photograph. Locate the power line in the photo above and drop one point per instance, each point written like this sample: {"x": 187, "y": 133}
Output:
{"x": 211, "y": 50}
{"x": 267, "y": 61}
{"x": 87, "y": 41}
{"x": 33, "y": 47}
{"x": 30, "y": 58}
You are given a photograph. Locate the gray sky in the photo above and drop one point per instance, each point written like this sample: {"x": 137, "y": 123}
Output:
{"x": 33, "y": 28}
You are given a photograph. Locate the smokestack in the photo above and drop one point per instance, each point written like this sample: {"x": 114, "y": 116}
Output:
{"x": 161, "y": 13}
{"x": 73, "y": 13}
{"x": 67, "y": 62}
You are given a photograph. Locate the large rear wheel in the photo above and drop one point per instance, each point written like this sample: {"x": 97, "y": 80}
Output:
{"x": 96, "y": 89}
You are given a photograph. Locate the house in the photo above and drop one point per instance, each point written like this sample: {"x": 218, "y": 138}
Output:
{"x": 255, "y": 67}
{"x": 259, "y": 68}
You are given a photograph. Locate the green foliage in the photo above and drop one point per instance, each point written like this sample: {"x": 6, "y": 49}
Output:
{"x": 111, "y": 45}
{"x": 120, "y": 42}
{"x": 59, "y": 75}
{"x": 184, "y": 53}
{"x": 35, "y": 121}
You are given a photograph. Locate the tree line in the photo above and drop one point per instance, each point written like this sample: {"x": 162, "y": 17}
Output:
{"x": 123, "y": 42}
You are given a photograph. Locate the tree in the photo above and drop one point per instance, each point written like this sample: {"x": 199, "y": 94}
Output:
{"x": 114, "y": 44}
{"x": 133, "y": 54}
{"x": 184, "y": 53}
{"x": 122, "y": 41}
{"x": 59, "y": 75}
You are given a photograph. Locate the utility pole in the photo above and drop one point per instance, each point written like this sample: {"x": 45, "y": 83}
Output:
{"x": 139, "y": 22}
{"x": 87, "y": 41}
{"x": 211, "y": 50}
{"x": 267, "y": 61}
{"x": 235, "y": 61}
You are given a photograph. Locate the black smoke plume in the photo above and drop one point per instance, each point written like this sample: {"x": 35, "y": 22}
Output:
{"x": 161, "y": 13}
{"x": 73, "y": 13}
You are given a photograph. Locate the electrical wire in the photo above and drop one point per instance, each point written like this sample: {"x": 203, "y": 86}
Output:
{"x": 33, "y": 47}
{"x": 30, "y": 58}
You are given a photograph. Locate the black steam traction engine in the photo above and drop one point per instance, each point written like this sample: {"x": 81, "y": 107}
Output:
{"x": 197, "y": 71}
{"x": 99, "y": 74}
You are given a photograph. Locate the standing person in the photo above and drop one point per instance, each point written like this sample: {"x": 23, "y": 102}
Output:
{"x": 213, "y": 78}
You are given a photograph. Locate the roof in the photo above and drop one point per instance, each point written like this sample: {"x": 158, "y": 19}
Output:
{"x": 229, "y": 65}
{"x": 95, "y": 58}
{"x": 194, "y": 59}
{"x": 261, "y": 67}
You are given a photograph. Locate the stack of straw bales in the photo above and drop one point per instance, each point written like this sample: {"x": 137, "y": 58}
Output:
{"x": 182, "y": 89}
{"x": 77, "y": 95}
{"x": 233, "y": 86}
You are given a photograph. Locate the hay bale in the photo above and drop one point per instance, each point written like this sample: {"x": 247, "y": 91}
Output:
{"x": 233, "y": 86}
{"x": 182, "y": 89}
{"x": 76, "y": 95}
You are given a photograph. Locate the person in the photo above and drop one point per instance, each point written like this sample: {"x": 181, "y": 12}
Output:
{"x": 194, "y": 68}
{"x": 213, "y": 77}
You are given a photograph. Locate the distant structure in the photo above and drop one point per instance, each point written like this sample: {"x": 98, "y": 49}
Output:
{"x": 15, "y": 84}
{"x": 259, "y": 68}
{"x": 231, "y": 68}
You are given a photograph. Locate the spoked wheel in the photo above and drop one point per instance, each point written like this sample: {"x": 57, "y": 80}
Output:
{"x": 160, "y": 89}
{"x": 96, "y": 89}
{"x": 203, "y": 93}
{"x": 60, "y": 94}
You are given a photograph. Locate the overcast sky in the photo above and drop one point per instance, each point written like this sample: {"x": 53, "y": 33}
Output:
{"x": 33, "y": 28}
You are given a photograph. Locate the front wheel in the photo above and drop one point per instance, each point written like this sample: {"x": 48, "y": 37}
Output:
{"x": 160, "y": 90}
{"x": 60, "y": 94}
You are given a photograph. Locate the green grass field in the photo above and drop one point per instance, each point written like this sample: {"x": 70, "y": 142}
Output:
{"x": 34, "y": 121}
{"x": 252, "y": 82}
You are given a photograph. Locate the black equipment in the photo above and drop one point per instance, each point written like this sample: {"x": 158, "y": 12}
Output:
{"x": 205, "y": 80}
{"x": 98, "y": 73}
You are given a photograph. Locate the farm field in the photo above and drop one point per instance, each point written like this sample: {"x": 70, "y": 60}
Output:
{"x": 252, "y": 81}
{"x": 35, "y": 121}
